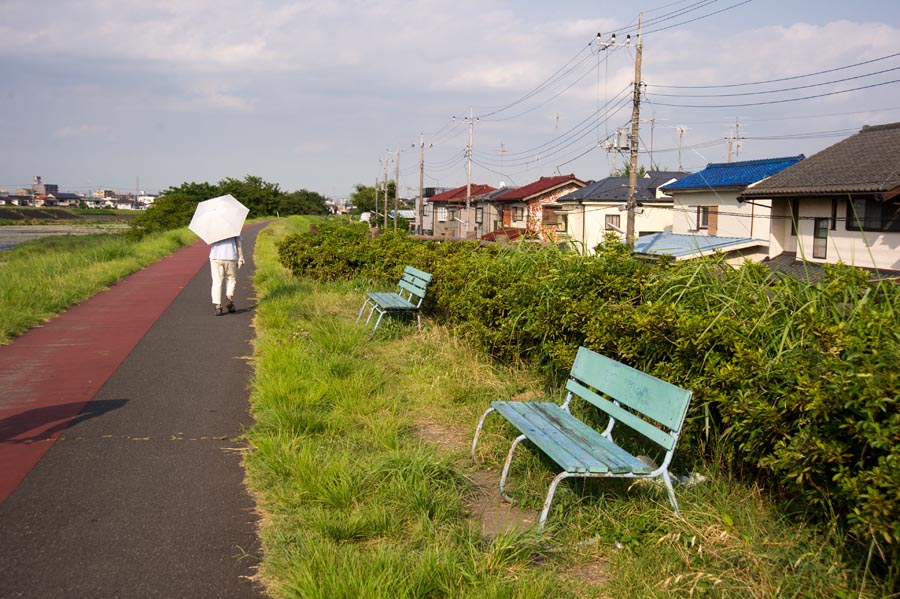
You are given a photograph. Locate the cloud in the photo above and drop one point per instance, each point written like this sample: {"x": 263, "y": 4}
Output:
{"x": 210, "y": 97}
{"x": 77, "y": 131}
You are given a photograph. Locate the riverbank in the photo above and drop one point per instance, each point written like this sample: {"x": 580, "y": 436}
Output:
{"x": 11, "y": 236}
{"x": 38, "y": 280}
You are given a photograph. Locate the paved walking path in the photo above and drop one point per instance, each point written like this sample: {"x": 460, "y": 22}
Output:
{"x": 120, "y": 470}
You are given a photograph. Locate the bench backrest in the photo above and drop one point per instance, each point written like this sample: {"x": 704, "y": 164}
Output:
{"x": 414, "y": 281}
{"x": 605, "y": 382}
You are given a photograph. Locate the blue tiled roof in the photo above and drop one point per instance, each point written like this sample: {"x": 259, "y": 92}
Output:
{"x": 690, "y": 246}
{"x": 733, "y": 174}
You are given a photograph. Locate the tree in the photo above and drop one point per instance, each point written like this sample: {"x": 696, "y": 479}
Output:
{"x": 302, "y": 202}
{"x": 261, "y": 197}
{"x": 363, "y": 198}
{"x": 171, "y": 211}
{"x": 195, "y": 192}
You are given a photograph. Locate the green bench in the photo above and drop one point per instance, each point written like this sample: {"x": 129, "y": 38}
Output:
{"x": 406, "y": 300}
{"x": 649, "y": 406}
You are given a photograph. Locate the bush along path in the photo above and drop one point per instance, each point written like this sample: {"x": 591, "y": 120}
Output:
{"x": 360, "y": 467}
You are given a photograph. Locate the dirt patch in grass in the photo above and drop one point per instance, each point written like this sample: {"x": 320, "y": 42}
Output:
{"x": 486, "y": 507}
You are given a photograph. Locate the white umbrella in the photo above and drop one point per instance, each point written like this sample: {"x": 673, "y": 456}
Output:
{"x": 218, "y": 218}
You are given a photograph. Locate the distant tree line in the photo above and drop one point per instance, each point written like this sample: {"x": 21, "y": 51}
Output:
{"x": 175, "y": 206}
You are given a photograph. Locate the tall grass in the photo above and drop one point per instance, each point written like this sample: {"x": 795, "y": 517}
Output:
{"x": 40, "y": 278}
{"x": 359, "y": 465}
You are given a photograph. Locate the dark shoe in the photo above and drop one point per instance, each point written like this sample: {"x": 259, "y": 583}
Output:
{"x": 230, "y": 306}
{"x": 219, "y": 312}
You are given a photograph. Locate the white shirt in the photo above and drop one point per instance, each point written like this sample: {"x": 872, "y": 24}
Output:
{"x": 225, "y": 249}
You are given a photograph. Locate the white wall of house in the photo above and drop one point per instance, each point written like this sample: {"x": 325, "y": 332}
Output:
{"x": 586, "y": 224}
{"x": 866, "y": 249}
{"x": 732, "y": 219}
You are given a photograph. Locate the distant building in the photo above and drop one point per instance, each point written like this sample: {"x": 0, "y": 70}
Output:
{"x": 39, "y": 188}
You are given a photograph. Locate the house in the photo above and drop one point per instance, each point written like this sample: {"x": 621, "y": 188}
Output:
{"x": 488, "y": 222}
{"x": 94, "y": 202}
{"x": 66, "y": 199}
{"x": 45, "y": 201}
{"x": 445, "y": 213}
{"x": 705, "y": 205}
{"x": 590, "y": 213}
{"x": 532, "y": 208}
{"x": 18, "y": 200}
{"x": 839, "y": 205}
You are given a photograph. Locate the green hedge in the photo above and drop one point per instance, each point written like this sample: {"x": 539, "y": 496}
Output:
{"x": 794, "y": 382}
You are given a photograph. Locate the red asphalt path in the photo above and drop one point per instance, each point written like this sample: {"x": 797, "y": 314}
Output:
{"x": 48, "y": 374}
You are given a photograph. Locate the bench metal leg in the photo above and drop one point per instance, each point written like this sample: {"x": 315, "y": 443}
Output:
{"x": 361, "y": 310}
{"x": 503, "y": 476}
{"x": 377, "y": 322}
{"x": 478, "y": 431}
{"x": 668, "y": 480}
{"x": 559, "y": 478}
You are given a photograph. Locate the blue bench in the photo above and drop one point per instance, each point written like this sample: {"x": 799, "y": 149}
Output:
{"x": 647, "y": 405}
{"x": 406, "y": 300}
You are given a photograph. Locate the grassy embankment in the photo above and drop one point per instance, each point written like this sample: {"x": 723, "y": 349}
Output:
{"x": 40, "y": 278}
{"x": 360, "y": 469}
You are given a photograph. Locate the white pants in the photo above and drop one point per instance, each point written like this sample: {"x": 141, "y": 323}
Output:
{"x": 223, "y": 269}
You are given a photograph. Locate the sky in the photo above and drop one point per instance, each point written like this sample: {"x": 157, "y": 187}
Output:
{"x": 320, "y": 95}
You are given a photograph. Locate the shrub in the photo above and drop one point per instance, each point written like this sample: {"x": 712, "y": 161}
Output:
{"x": 794, "y": 382}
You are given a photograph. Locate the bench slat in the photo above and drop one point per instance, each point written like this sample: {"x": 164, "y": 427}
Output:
{"x": 617, "y": 459}
{"x": 551, "y": 441}
{"x": 412, "y": 287}
{"x": 660, "y": 437}
{"x": 657, "y": 399}
{"x": 391, "y": 301}
{"x": 572, "y": 444}
{"x": 419, "y": 274}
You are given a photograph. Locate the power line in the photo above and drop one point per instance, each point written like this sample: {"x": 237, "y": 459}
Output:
{"x": 849, "y": 66}
{"x": 550, "y": 99}
{"x": 698, "y": 18}
{"x": 777, "y": 91}
{"x": 845, "y": 91}
{"x": 552, "y": 79}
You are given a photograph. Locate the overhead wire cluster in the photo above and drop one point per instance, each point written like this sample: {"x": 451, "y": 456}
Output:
{"x": 591, "y": 132}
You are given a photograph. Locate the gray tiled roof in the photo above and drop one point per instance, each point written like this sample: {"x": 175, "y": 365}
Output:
{"x": 615, "y": 189}
{"x": 866, "y": 162}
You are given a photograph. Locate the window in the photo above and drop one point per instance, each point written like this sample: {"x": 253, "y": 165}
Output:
{"x": 612, "y": 222}
{"x": 518, "y": 213}
{"x": 820, "y": 237}
{"x": 442, "y": 214}
{"x": 702, "y": 217}
{"x": 553, "y": 219}
{"x": 868, "y": 214}
{"x": 479, "y": 215}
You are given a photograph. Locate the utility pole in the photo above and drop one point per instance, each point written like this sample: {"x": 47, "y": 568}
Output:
{"x": 730, "y": 142}
{"x": 680, "y": 141}
{"x": 635, "y": 123}
{"x": 420, "y": 206}
{"x": 631, "y": 204}
{"x": 375, "y": 216}
{"x": 396, "y": 188}
{"x": 469, "y": 173}
{"x": 384, "y": 189}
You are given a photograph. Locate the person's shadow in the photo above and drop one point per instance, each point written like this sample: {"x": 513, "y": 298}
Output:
{"x": 15, "y": 428}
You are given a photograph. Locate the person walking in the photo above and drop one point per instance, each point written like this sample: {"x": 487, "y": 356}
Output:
{"x": 225, "y": 258}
